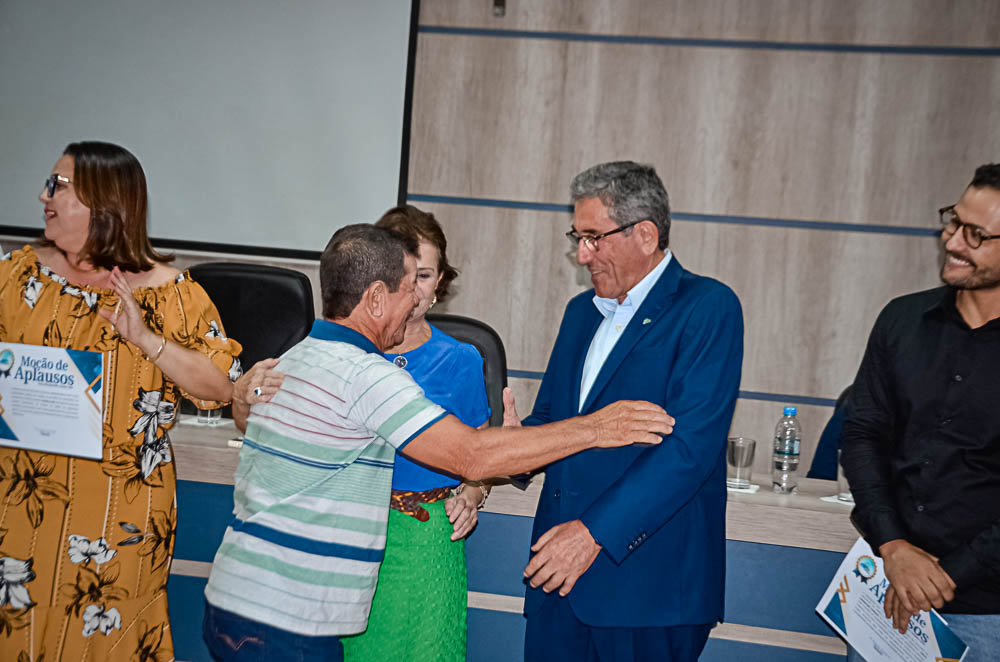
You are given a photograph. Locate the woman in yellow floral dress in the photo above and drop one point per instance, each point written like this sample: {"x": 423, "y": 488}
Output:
{"x": 85, "y": 545}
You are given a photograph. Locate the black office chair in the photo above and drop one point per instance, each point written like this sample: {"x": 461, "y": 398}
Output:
{"x": 488, "y": 343}
{"x": 824, "y": 464}
{"x": 267, "y": 309}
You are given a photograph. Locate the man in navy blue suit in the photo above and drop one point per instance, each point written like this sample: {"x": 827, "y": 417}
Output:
{"x": 629, "y": 544}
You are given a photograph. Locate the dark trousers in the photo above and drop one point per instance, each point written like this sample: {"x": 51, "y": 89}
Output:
{"x": 554, "y": 634}
{"x": 232, "y": 638}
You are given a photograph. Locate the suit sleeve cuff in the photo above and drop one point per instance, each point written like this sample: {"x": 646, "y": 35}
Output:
{"x": 604, "y": 538}
{"x": 963, "y": 567}
{"x": 532, "y": 420}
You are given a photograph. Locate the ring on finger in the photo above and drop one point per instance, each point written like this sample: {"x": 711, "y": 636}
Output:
{"x": 257, "y": 391}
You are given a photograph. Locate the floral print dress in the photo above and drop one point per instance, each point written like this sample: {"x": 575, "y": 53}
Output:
{"x": 85, "y": 545}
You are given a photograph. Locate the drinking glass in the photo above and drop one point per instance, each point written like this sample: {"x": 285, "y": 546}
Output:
{"x": 739, "y": 462}
{"x": 843, "y": 489}
{"x": 209, "y": 416}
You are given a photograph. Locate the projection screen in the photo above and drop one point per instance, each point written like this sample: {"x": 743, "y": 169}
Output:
{"x": 264, "y": 125}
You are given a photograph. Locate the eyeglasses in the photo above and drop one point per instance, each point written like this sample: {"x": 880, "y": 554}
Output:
{"x": 53, "y": 181}
{"x": 590, "y": 240}
{"x": 973, "y": 234}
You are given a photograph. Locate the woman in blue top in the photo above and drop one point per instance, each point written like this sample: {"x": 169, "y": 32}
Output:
{"x": 420, "y": 603}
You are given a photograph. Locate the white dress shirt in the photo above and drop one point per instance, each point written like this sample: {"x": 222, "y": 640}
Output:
{"x": 616, "y": 318}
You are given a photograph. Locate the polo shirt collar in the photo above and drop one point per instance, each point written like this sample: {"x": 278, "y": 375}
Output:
{"x": 326, "y": 330}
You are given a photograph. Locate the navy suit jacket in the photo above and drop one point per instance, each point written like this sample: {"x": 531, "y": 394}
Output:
{"x": 657, "y": 511}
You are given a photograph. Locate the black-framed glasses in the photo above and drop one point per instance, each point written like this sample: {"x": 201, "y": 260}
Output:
{"x": 974, "y": 235}
{"x": 52, "y": 183}
{"x": 590, "y": 240}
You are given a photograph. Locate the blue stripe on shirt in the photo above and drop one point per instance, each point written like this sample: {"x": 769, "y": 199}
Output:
{"x": 292, "y": 458}
{"x": 421, "y": 430}
{"x": 307, "y": 545}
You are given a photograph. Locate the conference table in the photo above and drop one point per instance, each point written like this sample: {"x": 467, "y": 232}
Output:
{"x": 782, "y": 551}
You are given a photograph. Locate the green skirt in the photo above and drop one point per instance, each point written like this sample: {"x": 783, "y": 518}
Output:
{"x": 418, "y": 613}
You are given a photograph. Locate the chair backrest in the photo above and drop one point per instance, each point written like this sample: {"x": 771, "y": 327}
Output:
{"x": 488, "y": 343}
{"x": 267, "y": 309}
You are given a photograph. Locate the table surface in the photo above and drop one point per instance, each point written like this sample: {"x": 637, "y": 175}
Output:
{"x": 206, "y": 454}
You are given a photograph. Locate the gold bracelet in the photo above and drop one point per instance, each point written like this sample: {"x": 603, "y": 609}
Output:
{"x": 156, "y": 357}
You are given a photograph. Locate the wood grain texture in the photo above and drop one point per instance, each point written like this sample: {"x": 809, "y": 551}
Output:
{"x": 752, "y": 634}
{"x": 204, "y": 455}
{"x": 799, "y": 520}
{"x": 817, "y": 136}
{"x": 878, "y": 22}
{"x": 809, "y": 297}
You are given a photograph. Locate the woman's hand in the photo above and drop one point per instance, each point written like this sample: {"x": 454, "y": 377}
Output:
{"x": 127, "y": 317}
{"x": 463, "y": 511}
{"x": 510, "y": 417}
{"x": 189, "y": 369}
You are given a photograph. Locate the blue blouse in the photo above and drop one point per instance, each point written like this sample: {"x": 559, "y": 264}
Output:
{"x": 451, "y": 374}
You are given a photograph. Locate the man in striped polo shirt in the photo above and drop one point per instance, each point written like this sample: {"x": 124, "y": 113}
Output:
{"x": 297, "y": 566}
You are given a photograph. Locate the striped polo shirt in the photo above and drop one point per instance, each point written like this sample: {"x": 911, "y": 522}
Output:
{"x": 312, "y": 487}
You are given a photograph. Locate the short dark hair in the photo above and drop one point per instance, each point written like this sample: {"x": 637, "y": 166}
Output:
{"x": 108, "y": 179}
{"x": 355, "y": 257}
{"x": 419, "y": 224}
{"x": 632, "y": 192}
{"x": 987, "y": 175}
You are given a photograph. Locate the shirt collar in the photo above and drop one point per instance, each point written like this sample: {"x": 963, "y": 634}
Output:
{"x": 326, "y": 330}
{"x": 945, "y": 307}
{"x": 635, "y": 296}
{"x": 944, "y": 302}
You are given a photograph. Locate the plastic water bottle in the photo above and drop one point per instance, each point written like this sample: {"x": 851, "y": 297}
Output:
{"x": 787, "y": 437}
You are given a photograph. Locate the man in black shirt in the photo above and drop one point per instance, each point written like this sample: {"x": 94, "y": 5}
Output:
{"x": 922, "y": 439}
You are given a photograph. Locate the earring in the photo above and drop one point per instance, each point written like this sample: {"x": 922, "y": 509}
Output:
{"x": 433, "y": 301}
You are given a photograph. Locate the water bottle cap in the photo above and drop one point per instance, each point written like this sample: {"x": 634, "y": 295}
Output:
{"x": 791, "y": 411}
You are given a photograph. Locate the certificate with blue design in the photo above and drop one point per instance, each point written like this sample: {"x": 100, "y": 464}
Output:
{"x": 51, "y": 399}
{"x": 853, "y": 603}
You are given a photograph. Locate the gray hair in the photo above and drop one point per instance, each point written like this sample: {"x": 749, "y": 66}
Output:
{"x": 632, "y": 192}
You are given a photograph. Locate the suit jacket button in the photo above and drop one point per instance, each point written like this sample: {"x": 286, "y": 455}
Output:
{"x": 555, "y": 495}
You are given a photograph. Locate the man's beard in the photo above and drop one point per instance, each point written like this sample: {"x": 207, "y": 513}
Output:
{"x": 980, "y": 278}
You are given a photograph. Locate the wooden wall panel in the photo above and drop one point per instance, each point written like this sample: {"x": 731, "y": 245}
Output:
{"x": 858, "y": 138}
{"x": 877, "y": 22}
{"x": 516, "y": 275}
{"x": 816, "y": 133}
{"x": 809, "y": 297}
{"x": 808, "y": 307}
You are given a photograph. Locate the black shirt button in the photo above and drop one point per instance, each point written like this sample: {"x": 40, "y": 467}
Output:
{"x": 958, "y": 378}
{"x": 946, "y": 421}
{"x": 920, "y": 508}
{"x": 927, "y": 463}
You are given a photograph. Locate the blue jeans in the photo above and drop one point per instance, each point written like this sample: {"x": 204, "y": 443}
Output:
{"x": 232, "y": 638}
{"x": 980, "y": 632}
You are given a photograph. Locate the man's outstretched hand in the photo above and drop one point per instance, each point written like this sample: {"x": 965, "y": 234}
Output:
{"x": 630, "y": 422}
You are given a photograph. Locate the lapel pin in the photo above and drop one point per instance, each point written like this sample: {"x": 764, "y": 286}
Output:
{"x": 646, "y": 321}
